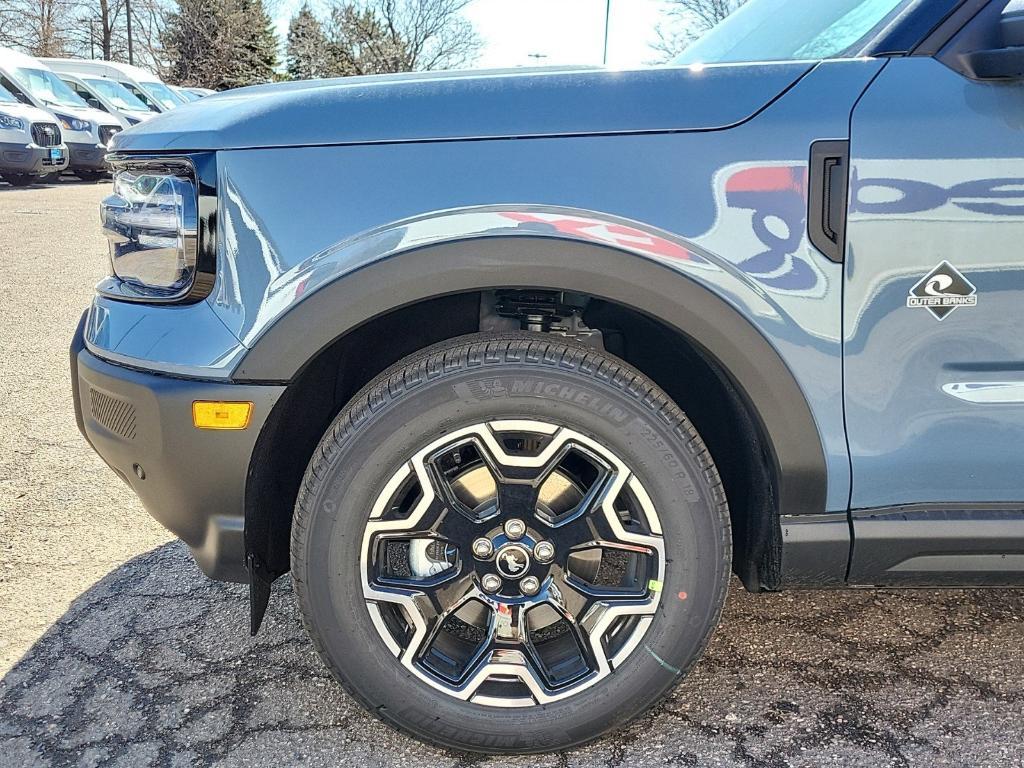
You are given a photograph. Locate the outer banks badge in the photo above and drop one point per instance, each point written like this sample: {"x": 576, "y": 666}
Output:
{"x": 943, "y": 290}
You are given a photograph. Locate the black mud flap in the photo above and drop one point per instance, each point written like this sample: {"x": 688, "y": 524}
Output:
{"x": 260, "y": 581}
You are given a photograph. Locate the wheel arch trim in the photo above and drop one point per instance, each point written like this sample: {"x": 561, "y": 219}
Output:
{"x": 655, "y": 288}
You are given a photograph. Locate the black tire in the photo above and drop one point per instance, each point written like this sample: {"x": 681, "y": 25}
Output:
{"x": 18, "y": 179}
{"x": 91, "y": 176}
{"x": 462, "y": 382}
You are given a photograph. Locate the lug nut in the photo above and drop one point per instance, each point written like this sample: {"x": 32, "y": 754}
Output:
{"x": 483, "y": 548}
{"x": 544, "y": 551}
{"x": 530, "y": 585}
{"x": 490, "y": 583}
{"x": 515, "y": 529}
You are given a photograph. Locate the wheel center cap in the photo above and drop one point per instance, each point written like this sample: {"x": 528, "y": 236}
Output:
{"x": 512, "y": 561}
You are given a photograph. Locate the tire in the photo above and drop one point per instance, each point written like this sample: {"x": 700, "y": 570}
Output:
{"x": 538, "y": 396}
{"x": 18, "y": 179}
{"x": 91, "y": 176}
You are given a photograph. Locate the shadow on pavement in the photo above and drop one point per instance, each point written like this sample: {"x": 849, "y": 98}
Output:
{"x": 153, "y": 665}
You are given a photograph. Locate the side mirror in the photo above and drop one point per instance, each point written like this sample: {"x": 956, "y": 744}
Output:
{"x": 1005, "y": 62}
{"x": 93, "y": 102}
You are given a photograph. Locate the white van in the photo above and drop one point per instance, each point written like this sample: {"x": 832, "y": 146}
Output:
{"x": 86, "y": 130}
{"x": 31, "y": 146}
{"x": 144, "y": 85}
{"x": 109, "y": 95}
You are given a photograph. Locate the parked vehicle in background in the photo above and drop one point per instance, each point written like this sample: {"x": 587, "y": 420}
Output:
{"x": 143, "y": 84}
{"x": 562, "y": 349}
{"x": 108, "y": 95}
{"x": 31, "y": 146}
{"x": 86, "y": 130}
{"x": 185, "y": 94}
{"x": 201, "y": 92}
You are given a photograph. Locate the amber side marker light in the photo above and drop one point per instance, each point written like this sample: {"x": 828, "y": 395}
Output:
{"x": 207, "y": 414}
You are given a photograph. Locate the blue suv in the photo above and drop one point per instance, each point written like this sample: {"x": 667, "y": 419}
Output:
{"x": 511, "y": 370}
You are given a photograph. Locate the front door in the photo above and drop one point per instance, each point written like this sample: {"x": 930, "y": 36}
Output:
{"x": 934, "y": 327}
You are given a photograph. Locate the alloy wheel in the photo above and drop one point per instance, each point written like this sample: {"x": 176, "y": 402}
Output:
{"x": 512, "y": 563}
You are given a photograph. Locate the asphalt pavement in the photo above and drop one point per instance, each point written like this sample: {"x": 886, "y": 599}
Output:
{"x": 115, "y": 650}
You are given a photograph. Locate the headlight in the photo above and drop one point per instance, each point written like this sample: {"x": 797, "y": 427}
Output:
{"x": 6, "y": 121}
{"x": 151, "y": 225}
{"x": 73, "y": 123}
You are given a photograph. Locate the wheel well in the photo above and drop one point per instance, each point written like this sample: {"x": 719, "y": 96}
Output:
{"x": 717, "y": 408}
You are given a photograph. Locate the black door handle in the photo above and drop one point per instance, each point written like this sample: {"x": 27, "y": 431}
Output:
{"x": 828, "y": 188}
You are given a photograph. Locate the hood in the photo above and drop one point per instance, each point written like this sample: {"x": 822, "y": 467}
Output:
{"x": 27, "y": 113}
{"x": 476, "y": 104}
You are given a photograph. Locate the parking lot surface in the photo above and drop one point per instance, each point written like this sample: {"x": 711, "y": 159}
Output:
{"x": 115, "y": 650}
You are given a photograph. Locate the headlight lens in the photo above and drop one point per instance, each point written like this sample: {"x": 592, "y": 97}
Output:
{"x": 151, "y": 225}
{"x": 73, "y": 123}
{"x": 7, "y": 121}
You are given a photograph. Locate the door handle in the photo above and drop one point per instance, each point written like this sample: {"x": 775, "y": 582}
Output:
{"x": 827, "y": 192}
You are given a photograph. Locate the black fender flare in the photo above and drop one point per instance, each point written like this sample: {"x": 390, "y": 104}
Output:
{"x": 527, "y": 261}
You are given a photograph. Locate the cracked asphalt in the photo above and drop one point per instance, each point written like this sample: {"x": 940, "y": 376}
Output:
{"x": 115, "y": 650}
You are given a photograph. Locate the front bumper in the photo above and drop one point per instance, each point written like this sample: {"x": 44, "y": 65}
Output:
{"x": 88, "y": 157}
{"x": 191, "y": 480}
{"x": 30, "y": 159}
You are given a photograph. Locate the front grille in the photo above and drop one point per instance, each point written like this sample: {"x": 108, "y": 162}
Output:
{"x": 107, "y": 133}
{"x": 115, "y": 414}
{"x": 46, "y": 134}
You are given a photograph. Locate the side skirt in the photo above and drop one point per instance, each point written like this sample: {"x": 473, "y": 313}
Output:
{"x": 938, "y": 545}
{"x": 913, "y": 545}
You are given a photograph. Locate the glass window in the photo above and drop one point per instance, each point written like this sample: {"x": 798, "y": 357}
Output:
{"x": 6, "y": 97}
{"x": 167, "y": 98}
{"x": 142, "y": 96}
{"x": 116, "y": 94}
{"x": 47, "y": 87}
{"x": 780, "y": 30}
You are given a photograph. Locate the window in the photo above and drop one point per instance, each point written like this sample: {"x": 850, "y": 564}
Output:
{"x": 45, "y": 86}
{"x": 780, "y": 30}
{"x": 116, "y": 94}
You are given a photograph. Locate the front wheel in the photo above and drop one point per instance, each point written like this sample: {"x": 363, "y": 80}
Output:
{"x": 510, "y": 544}
{"x": 90, "y": 176}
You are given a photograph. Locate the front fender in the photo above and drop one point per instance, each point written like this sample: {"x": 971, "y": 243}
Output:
{"x": 667, "y": 278}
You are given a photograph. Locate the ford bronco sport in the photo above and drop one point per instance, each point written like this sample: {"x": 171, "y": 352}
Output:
{"x": 511, "y": 369}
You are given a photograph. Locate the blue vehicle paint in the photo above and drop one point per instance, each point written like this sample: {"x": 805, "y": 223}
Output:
{"x": 924, "y": 193}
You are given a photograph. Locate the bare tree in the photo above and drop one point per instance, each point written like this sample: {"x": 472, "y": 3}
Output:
{"x": 149, "y": 21}
{"x": 686, "y": 20}
{"x": 85, "y": 28}
{"x": 38, "y": 27}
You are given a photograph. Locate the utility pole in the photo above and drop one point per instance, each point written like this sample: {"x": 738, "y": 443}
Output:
{"x": 607, "y": 17}
{"x": 128, "y": 11}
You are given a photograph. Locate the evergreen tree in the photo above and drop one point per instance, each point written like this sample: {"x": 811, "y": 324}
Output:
{"x": 307, "y": 46}
{"x": 257, "y": 52}
{"x": 220, "y": 43}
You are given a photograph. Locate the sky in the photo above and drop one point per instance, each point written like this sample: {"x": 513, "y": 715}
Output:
{"x": 559, "y": 31}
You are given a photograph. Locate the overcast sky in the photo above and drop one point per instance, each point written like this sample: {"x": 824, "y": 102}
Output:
{"x": 562, "y": 31}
